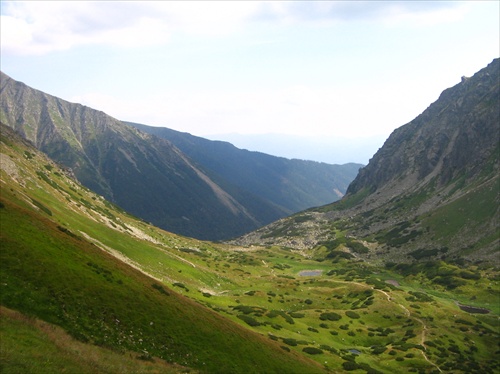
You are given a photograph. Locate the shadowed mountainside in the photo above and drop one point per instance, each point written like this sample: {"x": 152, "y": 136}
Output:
{"x": 293, "y": 184}
{"x": 150, "y": 177}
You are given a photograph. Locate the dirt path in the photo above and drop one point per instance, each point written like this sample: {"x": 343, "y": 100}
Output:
{"x": 424, "y": 327}
{"x": 408, "y": 314}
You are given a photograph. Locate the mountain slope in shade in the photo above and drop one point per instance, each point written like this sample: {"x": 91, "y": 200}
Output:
{"x": 431, "y": 192}
{"x": 144, "y": 174}
{"x": 293, "y": 185}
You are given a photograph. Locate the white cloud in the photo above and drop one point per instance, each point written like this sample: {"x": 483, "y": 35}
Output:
{"x": 39, "y": 27}
{"x": 327, "y": 12}
{"x": 60, "y": 25}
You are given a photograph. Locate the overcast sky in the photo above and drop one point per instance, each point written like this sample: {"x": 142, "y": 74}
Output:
{"x": 345, "y": 68}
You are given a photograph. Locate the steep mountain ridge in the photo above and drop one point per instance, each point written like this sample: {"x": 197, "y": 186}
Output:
{"x": 294, "y": 184}
{"x": 454, "y": 137}
{"x": 144, "y": 174}
{"x": 432, "y": 191}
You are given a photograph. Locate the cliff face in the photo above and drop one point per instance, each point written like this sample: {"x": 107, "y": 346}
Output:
{"x": 452, "y": 138}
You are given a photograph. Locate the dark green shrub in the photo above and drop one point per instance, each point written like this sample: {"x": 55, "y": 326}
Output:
{"x": 160, "y": 289}
{"x": 357, "y": 247}
{"x": 330, "y": 316}
{"x": 328, "y": 348}
{"x": 379, "y": 349}
{"x": 312, "y": 350}
{"x": 248, "y": 320}
{"x": 42, "y": 207}
{"x": 420, "y": 296}
{"x": 339, "y": 254}
{"x": 350, "y": 366}
{"x": 469, "y": 275}
{"x": 352, "y": 314}
{"x": 180, "y": 285}
{"x": 290, "y": 341}
{"x": 246, "y": 309}
{"x": 68, "y": 232}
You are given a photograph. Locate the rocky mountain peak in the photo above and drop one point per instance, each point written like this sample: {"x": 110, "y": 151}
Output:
{"x": 453, "y": 137}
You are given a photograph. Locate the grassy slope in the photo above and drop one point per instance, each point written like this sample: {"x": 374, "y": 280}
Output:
{"x": 69, "y": 282}
{"x": 50, "y": 271}
{"x": 30, "y": 345}
{"x": 54, "y": 273}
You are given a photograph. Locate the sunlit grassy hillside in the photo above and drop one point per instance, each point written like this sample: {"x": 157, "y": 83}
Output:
{"x": 56, "y": 242}
{"x": 169, "y": 303}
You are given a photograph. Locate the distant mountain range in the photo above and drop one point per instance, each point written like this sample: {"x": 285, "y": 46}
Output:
{"x": 293, "y": 185}
{"x": 203, "y": 189}
{"x": 332, "y": 149}
{"x": 431, "y": 192}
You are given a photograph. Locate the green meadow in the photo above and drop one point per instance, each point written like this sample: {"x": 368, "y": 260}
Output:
{"x": 81, "y": 278}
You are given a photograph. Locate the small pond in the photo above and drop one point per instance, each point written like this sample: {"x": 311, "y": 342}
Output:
{"x": 310, "y": 273}
{"x": 354, "y": 351}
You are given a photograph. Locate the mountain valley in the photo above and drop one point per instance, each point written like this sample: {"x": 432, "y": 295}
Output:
{"x": 400, "y": 275}
{"x": 208, "y": 190}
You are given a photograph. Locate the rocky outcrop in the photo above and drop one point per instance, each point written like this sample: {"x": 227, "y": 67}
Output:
{"x": 454, "y": 137}
{"x": 431, "y": 192}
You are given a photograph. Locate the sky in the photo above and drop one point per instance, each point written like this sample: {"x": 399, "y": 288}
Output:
{"x": 329, "y": 73}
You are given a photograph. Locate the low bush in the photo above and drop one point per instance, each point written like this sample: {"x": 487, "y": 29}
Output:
{"x": 330, "y": 316}
{"x": 160, "y": 289}
{"x": 249, "y": 320}
{"x": 378, "y": 349}
{"x": 350, "y": 366}
{"x": 290, "y": 341}
{"x": 312, "y": 350}
{"x": 352, "y": 314}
